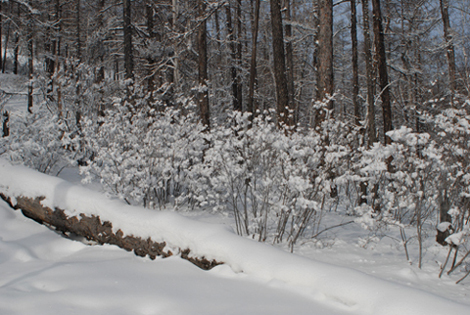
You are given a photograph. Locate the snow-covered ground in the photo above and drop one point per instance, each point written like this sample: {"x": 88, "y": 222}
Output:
{"x": 43, "y": 272}
{"x": 345, "y": 271}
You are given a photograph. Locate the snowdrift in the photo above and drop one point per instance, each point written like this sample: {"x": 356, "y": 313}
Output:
{"x": 347, "y": 289}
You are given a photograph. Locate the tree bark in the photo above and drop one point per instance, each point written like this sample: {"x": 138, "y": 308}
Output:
{"x": 450, "y": 52}
{"x": 16, "y": 41}
{"x": 355, "y": 64}
{"x": 369, "y": 74}
{"x": 239, "y": 54}
{"x": 290, "y": 59}
{"x": 1, "y": 33}
{"x": 30, "y": 65}
{"x": 251, "y": 102}
{"x": 280, "y": 77}
{"x": 325, "y": 51}
{"x": 203, "y": 93}
{"x": 382, "y": 69}
{"x": 78, "y": 42}
{"x": 128, "y": 49}
{"x": 233, "y": 68}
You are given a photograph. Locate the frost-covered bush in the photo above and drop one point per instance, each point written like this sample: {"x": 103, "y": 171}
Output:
{"x": 144, "y": 156}
{"x": 275, "y": 182}
{"x": 40, "y": 140}
{"x": 402, "y": 178}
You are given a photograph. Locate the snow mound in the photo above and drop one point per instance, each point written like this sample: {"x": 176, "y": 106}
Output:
{"x": 343, "y": 288}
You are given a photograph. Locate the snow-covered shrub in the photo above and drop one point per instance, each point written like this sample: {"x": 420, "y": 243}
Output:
{"x": 275, "y": 183}
{"x": 144, "y": 156}
{"x": 402, "y": 177}
{"x": 40, "y": 140}
{"x": 452, "y": 133}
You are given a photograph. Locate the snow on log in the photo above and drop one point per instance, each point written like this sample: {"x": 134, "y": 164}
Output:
{"x": 148, "y": 232}
{"x": 89, "y": 225}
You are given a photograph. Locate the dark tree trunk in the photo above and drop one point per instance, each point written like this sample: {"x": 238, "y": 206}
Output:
{"x": 251, "y": 102}
{"x": 78, "y": 30}
{"x": 369, "y": 74}
{"x": 5, "y": 124}
{"x": 233, "y": 68}
{"x": 355, "y": 64}
{"x": 128, "y": 49}
{"x": 382, "y": 69}
{"x": 100, "y": 71}
{"x": 203, "y": 94}
{"x": 280, "y": 77}
{"x": 1, "y": 33}
{"x": 239, "y": 54}
{"x": 16, "y": 43}
{"x": 290, "y": 58}
{"x": 325, "y": 81}
{"x": 325, "y": 49}
{"x": 450, "y": 53}
{"x": 150, "y": 60}
{"x": 30, "y": 69}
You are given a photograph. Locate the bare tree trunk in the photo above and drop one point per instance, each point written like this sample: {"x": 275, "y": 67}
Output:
{"x": 30, "y": 69}
{"x": 325, "y": 80}
{"x": 233, "y": 68}
{"x": 355, "y": 64}
{"x": 239, "y": 54}
{"x": 128, "y": 50}
{"x": 290, "y": 58}
{"x": 100, "y": 71}
{"x": 203, "y": 94}
{"x": 369, "y": 74}
{"x": 251, "y": 103}
{"x": 78, "y": 31}
{"x": 280, "y": 77}
{"x": 5, "y": 124}
{"x": 151, "y": 61}
{"x": 382, "y": 69}
{"x": 16, "y": 41}
{"x": 1, "y": 32}
{"x": 444, "y": 4}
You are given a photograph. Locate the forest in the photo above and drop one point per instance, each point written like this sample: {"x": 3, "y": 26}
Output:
{"x": 276, "y": 113}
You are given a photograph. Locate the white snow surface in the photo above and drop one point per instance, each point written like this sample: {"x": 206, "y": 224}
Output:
{"x": 102, "y": 279}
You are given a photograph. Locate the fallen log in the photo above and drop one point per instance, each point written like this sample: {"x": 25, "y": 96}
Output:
{"x": 94, "y": 229}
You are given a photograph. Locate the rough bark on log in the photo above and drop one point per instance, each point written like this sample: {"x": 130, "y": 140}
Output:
{"x": 93, "y": 229}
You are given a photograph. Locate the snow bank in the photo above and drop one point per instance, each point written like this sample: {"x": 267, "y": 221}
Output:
{"x": 343, "y": 288}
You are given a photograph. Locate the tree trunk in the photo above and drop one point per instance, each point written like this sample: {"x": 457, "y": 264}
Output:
{"x": 290, "y": 59}
{"x": 325, "y": 81}
{"x": 16, "y": 43}
{"x": 30, "y": 65}
{"x": 355, "y": 64}
{"x": 1, "y": 32}
{"x": 128, "y": 50}
{"x": 78, "y": 30}
{"x": 325, "y": 54}
{"x": 5, "y": 124}
{"x": 239, "y": 54}
{"x": 251, "y": 102}
{"x": 100, "y": 75}
{"x": 203, "y": 91}
{"x": 280, "y": 77}
{"x": 382, "y": 69}
{"x": 150, "y": 60}
{"x": 450, "y": 53}
{"x": 369, "y": 74}
{"x": 233, "y": 68}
